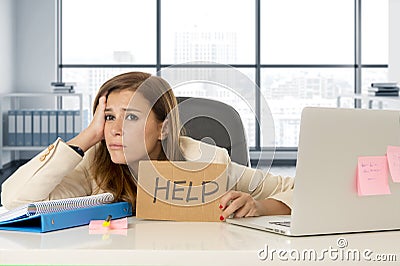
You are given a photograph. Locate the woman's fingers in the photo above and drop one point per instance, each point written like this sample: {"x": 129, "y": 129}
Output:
{"x": 97, "y": 124}
{"x": 228, "y": 197}
{"x": 239, "y": 203}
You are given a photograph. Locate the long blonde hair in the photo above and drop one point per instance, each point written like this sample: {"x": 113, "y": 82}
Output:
{"x": 117, "y": 178}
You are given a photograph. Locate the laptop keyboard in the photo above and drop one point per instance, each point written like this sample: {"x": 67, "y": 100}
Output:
{"x": 284, "y": 223}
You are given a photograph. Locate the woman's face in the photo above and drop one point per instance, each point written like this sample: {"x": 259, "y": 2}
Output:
{"x": 131, "y": 130}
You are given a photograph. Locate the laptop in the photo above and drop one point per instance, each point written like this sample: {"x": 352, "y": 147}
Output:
{"x": 325, "y": 198}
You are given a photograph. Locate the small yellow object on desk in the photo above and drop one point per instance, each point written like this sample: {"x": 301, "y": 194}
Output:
{"x": 117, "y": 226}
{"x": 107, "y": 222}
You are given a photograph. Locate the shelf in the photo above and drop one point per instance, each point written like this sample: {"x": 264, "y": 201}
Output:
{"x": 369, "y": 98}
{"x": 45, "y": 102}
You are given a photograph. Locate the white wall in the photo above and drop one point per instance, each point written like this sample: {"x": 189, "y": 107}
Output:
{"x": 6, "y": 46}
{"x": 28, "y": 46}
{"x": 394, "y": 40}
{"x": 7, "y": 29}
{"x": 35, "y": 50}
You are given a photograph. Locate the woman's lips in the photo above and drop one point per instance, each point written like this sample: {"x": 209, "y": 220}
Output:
{"x": 115, "y": 146}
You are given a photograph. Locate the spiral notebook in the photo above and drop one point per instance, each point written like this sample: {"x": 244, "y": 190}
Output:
{"x": 64, "y": 213}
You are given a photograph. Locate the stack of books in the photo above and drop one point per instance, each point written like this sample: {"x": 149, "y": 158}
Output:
{"x": 384, "y": 89}
{"x": 63, "y": 87}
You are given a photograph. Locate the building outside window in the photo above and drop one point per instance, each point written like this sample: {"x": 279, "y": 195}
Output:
{"x": 298, "y": 52}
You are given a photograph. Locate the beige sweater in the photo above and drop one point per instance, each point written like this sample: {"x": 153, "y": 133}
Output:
{"x": 59, "y": 172}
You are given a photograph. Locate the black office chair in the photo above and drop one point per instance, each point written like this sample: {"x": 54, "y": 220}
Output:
{"x": 216, "y": 123}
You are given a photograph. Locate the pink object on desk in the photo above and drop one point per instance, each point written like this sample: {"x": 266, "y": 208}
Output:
{"x": 106, "y": 232}
{"x": 114, "y": 224}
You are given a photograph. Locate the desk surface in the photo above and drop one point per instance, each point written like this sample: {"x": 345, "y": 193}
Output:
{"x": 190, "y": 243}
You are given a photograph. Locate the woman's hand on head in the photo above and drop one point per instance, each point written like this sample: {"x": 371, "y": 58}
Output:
{"x": 96, "y": 126}
{"x": 94, "y": 133}
{"x": 241, "y": 204}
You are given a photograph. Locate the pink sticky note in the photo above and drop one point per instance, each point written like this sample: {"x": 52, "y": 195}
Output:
{"x": 372, "y": 176}
{"x": 393, "y": 157}
{"x": 114, "y": 224}
{"x": 106, "y": 232}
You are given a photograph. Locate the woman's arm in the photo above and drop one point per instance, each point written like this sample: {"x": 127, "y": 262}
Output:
{"x": 252, "y": 192}
{"x": 58, "y": 171}
{"x": 256, "y": 193}
{"x": 242, "y": 204}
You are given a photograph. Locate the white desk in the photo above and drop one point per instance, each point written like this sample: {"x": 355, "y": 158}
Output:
{"x": 181, "y": 243}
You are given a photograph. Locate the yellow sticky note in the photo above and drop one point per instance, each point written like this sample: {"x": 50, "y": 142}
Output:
{"x": 372, "y": 176}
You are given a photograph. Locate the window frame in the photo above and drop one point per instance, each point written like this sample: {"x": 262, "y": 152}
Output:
{"x": 281, "y": 152}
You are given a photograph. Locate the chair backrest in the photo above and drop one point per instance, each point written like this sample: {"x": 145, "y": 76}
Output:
{"x": 216, "y": 123}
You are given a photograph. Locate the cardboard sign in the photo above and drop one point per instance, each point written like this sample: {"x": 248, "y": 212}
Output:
{"x": 180, "y": 191}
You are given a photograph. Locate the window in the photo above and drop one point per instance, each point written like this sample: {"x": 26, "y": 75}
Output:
{"x": 298, "y": 52}
{"x": 108, "y": 32}
{"x": 220, "y": 31}
{"x": 307, "y": 32}
{"x": 288, "y": 91}
{"x": 375, "y": 36}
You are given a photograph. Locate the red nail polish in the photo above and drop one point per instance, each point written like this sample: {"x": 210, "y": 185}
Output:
{"x": 220, "y": 206}
{"x": 221, "y": 218}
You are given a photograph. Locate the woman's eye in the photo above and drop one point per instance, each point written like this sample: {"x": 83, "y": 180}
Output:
{"x": 131, "y": 117}
{"x": 109, "y": 117}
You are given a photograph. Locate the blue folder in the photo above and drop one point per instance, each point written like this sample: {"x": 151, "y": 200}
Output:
{"x": 46, "y": 222}
{"x": 12, "y": 128}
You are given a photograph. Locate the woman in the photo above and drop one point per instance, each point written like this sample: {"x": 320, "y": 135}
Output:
{"x": 134, "y": 119}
